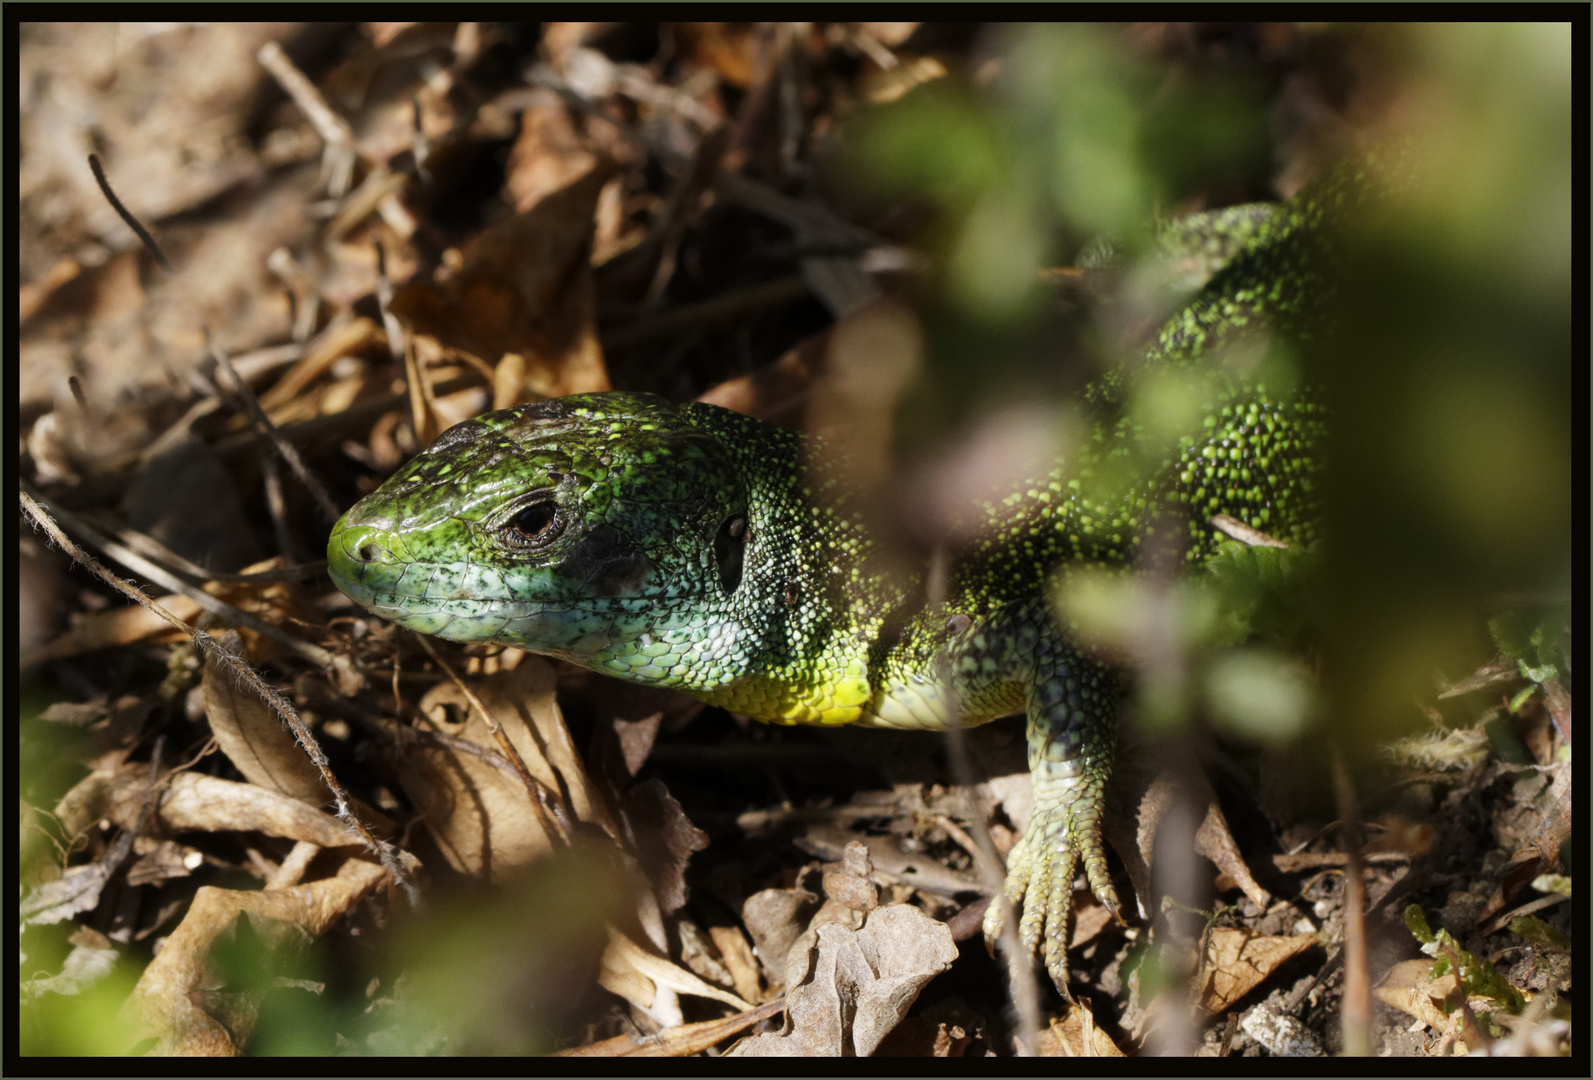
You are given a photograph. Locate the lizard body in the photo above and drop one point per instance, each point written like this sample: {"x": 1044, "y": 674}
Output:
{"x": 692, "y": 547}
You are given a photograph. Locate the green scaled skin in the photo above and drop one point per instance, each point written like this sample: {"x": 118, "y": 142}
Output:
{"x": 682, "y": 546}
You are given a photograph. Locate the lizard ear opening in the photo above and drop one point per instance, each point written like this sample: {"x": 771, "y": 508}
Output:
{"x": 730, "y": 543}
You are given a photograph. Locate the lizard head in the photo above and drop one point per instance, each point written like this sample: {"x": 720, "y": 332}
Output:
{"x": 569, "y": 527}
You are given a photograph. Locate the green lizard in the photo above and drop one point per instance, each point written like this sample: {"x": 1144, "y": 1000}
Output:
{"x": 684, "y": 546}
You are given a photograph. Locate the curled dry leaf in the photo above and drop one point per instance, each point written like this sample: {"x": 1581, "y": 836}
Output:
{"x": 1411, "y": 987}
{"x": 470, "y": 797}
{"x": 1172, "y": 791}
{"x": 663, "y": 839}
{"x": 1075, "y": 1035}
{"x": 624, "y": 961}
{"x": 195, "y": 803}
{"x": 1236, "y": 961}
{"x": 858, "y": 985}
{"x": 527, "y": 288}
{"x": 776, "y": 918}
{"x": 164, "y": 1002}
{"x": 736, "y": 952}
{"x": 253, "y": 738}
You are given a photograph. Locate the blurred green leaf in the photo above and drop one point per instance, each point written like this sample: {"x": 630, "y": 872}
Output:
{"x": 1260, "y": 694}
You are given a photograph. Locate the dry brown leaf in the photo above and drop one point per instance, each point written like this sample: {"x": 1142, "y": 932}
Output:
{"x": 549, "y": 153}
{"x": 76, "y": 890}
{"x": 1212, "y": 839}
{"x": 1410, "y": 987}
{"x": 210, "y": 804}
{"x": 169, "y": 144}
{"x": 1236, "y": 961}
{"x": 196, "y": 803}
{"x": 858, "y": 985}
{"x": 117, "y": 626}
{"x": 776, "y": 392}
{"x": 164, "y": 1000}
{"x": 639, "y": 973}
{"x": 886, "y": 86}
{"x": 1075, "y": 1035}
{"x": 474, "y": 804}
{"x": 736, "y": 952}
{"x": 893, "y": 34}
{"x": 526, "y": 287}
{"x": 1215, "y": 841}
{"x": 663, "y": 839}
{"x": 277, "y": 602}
{"x": 162, "y": 860}
{"x": 776, "y": 918}
{"x": 253, "y": 737}
{"x": 736, "y": 51}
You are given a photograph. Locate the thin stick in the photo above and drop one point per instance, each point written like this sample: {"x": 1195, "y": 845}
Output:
{"x": 149, "y": 547}
{"x": 332, "y": 128}
{"x": 127, "y": 215}
{"x": 269, "y": 430}
{"x": 242, "y": 670}
{"x": 1022, "y": 983}
{"x": 166, "y": 580}
{"x": 1356, "y": 1014}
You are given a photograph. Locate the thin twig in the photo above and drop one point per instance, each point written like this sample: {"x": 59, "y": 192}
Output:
{"x": 276, "y": 504}
{"x": 166, "y": 580}
{"x": 1356, "y": 1013}
{"x": 242, "y": 670}
{"x": 726, "y": 305}
{"x": 332, "y": 128}
{"x": 384, "y": 304}
{"x": 266, "y": 428}
{"x": 1022, "y": 984}
{"x": 127, "y": 215}
{"x": 149, "y": 547}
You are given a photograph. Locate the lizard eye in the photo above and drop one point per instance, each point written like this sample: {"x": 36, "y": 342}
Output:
{"x": 536, "y": 523}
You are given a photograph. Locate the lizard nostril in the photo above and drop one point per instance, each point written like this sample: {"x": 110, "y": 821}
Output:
{"x": 367, "y": 553}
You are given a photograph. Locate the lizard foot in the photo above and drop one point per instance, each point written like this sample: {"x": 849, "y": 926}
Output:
{"x": 1063, "y": 830}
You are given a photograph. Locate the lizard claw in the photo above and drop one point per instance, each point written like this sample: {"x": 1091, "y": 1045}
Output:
{"x": 1040, "y": 871}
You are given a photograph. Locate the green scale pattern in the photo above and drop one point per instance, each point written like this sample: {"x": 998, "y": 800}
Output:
{"x": 683, "y": 546}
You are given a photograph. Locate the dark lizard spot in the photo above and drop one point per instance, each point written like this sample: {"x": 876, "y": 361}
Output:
{"x": 606, "y": 563}
{"x": 730, "y": 547}
{"x": 551, "y": 409}
{"x": 456, "y": 436}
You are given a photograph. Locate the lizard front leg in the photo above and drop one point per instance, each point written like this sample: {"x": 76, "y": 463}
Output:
{"x": 1072, "y": 731}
